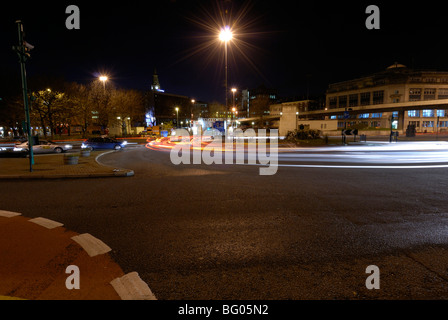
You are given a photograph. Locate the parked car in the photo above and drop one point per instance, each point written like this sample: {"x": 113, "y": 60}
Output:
{"x": 45, "y": 147}
{"x": 12, "y": 152}
{"x": 103, "y": 143}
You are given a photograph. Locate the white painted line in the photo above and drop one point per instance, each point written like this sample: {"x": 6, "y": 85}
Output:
{"x": 49, "y": 224}
{"x": 102, "y": 154}
{"x": 351, "y": 167}
{"x": 132, "y": 287}
{"x": 91, "y": 245}
{"x": 363, "y": 167}
{"x": 9, "y": 214}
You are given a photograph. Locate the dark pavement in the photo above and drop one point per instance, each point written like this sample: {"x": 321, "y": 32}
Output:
{"x": 225, "y": 232}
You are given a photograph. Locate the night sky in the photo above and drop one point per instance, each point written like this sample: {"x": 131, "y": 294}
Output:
{"x": 287, "y": 43}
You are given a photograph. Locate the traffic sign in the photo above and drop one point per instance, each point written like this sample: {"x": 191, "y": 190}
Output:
{"x": 350, "y": 132}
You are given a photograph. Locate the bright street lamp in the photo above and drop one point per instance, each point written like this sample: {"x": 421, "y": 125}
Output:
{"x": 177, "y": 122}
{"x": 103, "y": 79}
{"x": 226, "y": 34}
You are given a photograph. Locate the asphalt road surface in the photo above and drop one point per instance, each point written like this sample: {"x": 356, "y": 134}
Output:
{"x": 225, "y": 232}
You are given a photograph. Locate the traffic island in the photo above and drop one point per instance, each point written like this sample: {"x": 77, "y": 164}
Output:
{"x": 42, "y": 260}
{"x": 55, "y": 167}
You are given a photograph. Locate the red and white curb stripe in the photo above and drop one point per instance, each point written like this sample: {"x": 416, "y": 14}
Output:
{"x": 49, "y": 224}
{"x": 8, "y": 214}
{"x": 91, "y": 245}
{"x": 128, "y": 287}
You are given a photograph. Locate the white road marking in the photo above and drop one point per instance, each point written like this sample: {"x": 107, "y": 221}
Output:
{"x": 132, "y": 287}
{"x": 49, "y": 224}
{"x": 91, "y": 245}
{"x": 363, "y": 167}
{"x": 9, "y": 214}
{"x": 354, "y": 167}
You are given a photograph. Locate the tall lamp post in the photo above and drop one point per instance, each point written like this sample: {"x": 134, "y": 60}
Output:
{"x": 22, "y": 50}
{"x": 177, "y": 122}
{"x": 233, "y": 91}
{"x": 192, "y": 112}
{"x": 233, "y": 103}
{"x": 226, "y": 36}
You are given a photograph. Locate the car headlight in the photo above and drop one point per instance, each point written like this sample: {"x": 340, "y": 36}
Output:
{"x": 124, "y": 143}
{"x": 83, "y": 146}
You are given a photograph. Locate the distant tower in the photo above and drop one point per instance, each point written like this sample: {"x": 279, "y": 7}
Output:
{"x": 155, "y": 82}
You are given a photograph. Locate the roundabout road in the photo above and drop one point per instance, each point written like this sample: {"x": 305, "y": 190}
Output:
{"x": 225, "y": 232}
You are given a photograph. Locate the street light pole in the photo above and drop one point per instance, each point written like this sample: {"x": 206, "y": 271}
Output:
{"x": 225, "y": 36}
{"x": 21, "y": 50}
{"x": 177, "y": 122}
{"x": 233, "y": 104}
{"x": 437, "y": 128}
{"x": 392, "y": 134}
{"x": 192, "y": 112}
{"x": 227, "y": 104}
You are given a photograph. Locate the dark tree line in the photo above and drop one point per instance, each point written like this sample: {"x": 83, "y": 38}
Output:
{"x": 59, "y": 105}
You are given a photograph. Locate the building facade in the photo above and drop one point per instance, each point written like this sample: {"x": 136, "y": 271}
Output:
{"x": 162, "y": 107}
{"x": 256, "y": 102}
{"x": 289, "y": 115}
{"x": 395, "y": 98}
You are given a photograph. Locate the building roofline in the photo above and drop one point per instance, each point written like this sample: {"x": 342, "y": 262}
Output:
{"x": 389, "y": 71}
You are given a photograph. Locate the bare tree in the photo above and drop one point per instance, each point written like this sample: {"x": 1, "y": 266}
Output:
{"x": 100, "y": 99}
{"x": 47, "y": 106}
{"x": 216, "y": 109}
{"x": 126, "y": 106}
{"x": 259, "y": 108}
{"x": 12, "y": 114}
{"x": 80, "y": 105}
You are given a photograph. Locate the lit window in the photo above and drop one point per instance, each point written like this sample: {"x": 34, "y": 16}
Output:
{"x": 428, "y": 113}
{"x": 413, "y": 113}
